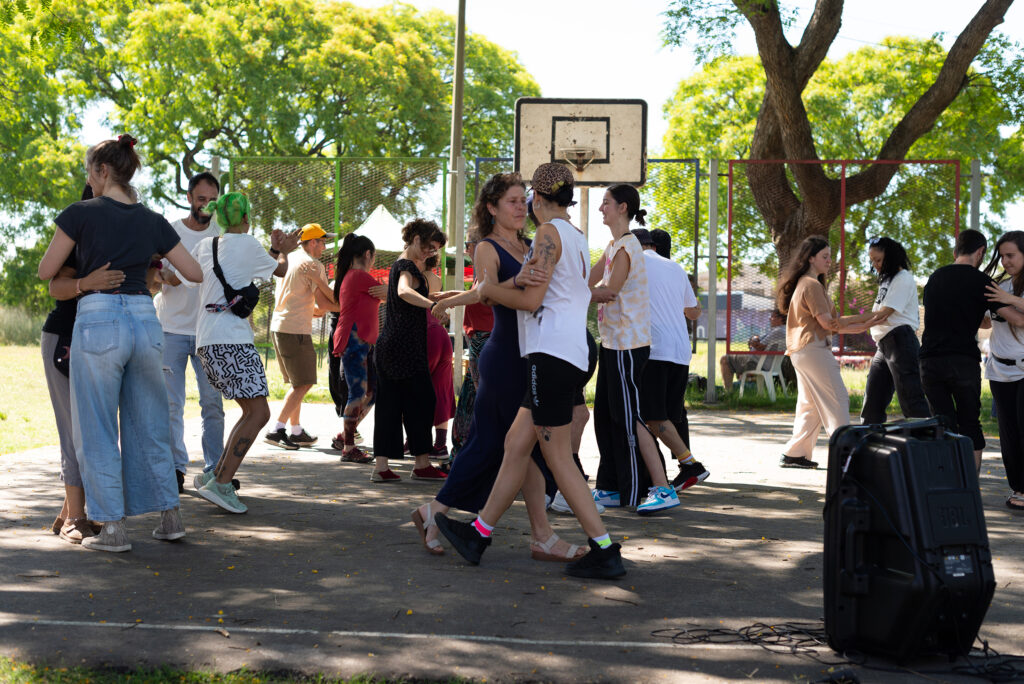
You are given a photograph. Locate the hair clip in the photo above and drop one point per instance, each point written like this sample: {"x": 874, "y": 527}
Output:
{"x": 131, "y": 140}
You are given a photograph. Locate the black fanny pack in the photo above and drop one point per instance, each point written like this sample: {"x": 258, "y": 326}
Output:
{"x": 241, "y": 302}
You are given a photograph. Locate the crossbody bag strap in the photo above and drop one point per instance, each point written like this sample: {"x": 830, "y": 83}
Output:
{"x": 229, "y": 292}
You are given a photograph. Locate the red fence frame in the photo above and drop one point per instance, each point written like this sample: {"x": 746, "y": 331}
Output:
{"x": 843, "y": 163}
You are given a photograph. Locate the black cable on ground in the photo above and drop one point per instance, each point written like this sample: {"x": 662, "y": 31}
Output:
{"x": 807, "y": 639}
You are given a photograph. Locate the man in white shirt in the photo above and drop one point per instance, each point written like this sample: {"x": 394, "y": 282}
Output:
{"x": 665, "y": 375}
{"x": 774, "y": 340}
{"x": 177, "y": 308}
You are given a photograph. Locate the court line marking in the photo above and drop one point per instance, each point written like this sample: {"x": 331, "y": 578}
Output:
{"x": 13, "y": 619}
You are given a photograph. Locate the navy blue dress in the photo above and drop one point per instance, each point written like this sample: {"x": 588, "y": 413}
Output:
{"x": 501, "y": 390}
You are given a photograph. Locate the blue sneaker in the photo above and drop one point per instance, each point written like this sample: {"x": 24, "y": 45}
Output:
{"x": 658, "y": 499}
{"x": 606, "y": 498}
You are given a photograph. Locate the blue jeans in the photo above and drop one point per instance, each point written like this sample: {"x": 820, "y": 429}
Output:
{"x": 178, "y": 351}
{"x": 116, "y": 368}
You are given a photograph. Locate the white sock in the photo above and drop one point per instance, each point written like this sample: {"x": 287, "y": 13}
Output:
{"x": 279, "y": 426}
{"x": 296, "y": 429}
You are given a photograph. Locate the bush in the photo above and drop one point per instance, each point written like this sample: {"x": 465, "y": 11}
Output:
{"x": 18, "y": 326}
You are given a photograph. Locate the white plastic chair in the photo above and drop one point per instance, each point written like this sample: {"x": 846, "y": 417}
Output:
{"x": 768, "y": 368}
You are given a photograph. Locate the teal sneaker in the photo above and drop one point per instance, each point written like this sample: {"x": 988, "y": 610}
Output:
{"x": 606, "y": 498}
{"x": 658, "y": 499}
{"x": 223, "y": 495}
{"x": 200, "y": 480}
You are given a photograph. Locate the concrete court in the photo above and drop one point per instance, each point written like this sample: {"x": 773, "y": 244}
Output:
{"x": 325, "y": 573}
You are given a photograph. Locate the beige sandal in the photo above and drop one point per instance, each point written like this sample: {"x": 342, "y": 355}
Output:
{"x": 543, "y": 551}
{"x": 433, "y": 546}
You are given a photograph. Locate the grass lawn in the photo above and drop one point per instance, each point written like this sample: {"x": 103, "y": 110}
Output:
{"x": 26, "y": 417}
{"x": 14, "y": 672}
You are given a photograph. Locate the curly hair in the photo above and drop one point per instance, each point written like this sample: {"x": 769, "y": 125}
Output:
{"x": 424, "y": 229}
{"x": 492, "y": 192}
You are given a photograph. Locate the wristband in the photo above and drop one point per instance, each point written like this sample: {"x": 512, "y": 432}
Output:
{"x": 274, "y": 252}
{"x": 157, "y": 264}
{"x": 514, "y": 283}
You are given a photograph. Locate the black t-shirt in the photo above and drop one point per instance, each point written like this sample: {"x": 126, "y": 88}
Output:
{"x": 61, "y": 321}
{"x": 954, "y": 306}
{"x": 401, "y": 350}
{"x": 126, "y": 235}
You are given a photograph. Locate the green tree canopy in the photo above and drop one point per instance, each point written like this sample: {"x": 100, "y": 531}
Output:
{"x": 853, "y": 103}
{"x": 196, "y": 78}
{"x": 803, "y": 199}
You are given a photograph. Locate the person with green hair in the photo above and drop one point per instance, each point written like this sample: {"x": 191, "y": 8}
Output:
{"x": 224, "y": 340}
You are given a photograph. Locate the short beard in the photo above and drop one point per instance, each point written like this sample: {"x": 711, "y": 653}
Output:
{"x": 200, "y": 217}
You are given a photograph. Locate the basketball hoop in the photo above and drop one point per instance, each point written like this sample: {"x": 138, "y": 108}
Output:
{"x": 580, "y": 157}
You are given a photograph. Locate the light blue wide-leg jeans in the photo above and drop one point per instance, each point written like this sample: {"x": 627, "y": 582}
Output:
{"x": 116, "y": 366}
{"x": 179, "y": 350}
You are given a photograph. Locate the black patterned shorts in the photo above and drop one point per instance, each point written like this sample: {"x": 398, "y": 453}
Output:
{"x": 234, "y": 370}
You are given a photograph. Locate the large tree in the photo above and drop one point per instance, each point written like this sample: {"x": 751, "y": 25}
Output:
{"x": 804, "y": 199}
{"x": 196, "y": 78}
{"x": 854, "y": 102}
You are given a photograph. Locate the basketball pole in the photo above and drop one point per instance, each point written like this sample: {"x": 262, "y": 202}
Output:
{"x": 709, "y": 394}
{"x": 585, "y": 211}
{"x": 457, "y": 193}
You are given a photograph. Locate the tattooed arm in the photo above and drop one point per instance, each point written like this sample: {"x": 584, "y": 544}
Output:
{"x": 547, "y": 249}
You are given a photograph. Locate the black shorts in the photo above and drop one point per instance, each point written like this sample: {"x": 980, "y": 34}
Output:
{"x": 662, "y": 387}
{"x": 551, "y": 387}
{"x": 578, "y": 398}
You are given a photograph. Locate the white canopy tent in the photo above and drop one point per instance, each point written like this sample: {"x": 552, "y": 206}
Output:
{"x": 384, "y": 229}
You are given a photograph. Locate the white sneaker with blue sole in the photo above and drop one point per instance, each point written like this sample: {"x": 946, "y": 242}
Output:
{"x": 658, "y": 499}
{"x": 560, "y": 505}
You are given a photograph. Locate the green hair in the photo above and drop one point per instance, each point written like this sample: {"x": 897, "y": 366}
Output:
{"x": 230, "y": 209}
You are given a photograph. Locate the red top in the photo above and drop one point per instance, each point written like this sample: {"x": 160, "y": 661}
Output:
{"x": 477, "y": 318}
{"x": 359, "y": 308}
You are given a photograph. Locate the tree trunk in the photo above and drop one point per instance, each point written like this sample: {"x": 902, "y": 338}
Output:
{"x": 783, "y": 130}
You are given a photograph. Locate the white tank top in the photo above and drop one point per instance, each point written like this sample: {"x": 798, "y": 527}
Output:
{"x": 559, "y": 326}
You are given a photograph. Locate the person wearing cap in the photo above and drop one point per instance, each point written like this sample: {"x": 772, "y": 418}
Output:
{"x": 303, "y": 288}
{"x": 663, "y": 383}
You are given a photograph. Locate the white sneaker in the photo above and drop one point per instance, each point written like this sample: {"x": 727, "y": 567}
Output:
{"x": 560, "y": 505}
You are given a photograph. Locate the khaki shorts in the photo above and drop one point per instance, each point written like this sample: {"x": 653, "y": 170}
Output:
{"x": 296, "y": 357}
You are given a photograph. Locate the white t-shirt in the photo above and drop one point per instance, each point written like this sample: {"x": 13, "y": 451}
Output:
{"x": 242, "y": 259}
{"x": 670, "y": 293}
{"x": 177, "y": 306}
{"x": 1003, "y": 344}
{"x": 900, "y": 293}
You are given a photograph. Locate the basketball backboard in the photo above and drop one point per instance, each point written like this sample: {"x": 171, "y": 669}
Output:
{"x": 603, "y": 141}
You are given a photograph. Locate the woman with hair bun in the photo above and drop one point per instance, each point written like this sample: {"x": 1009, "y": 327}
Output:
{"x": 224, "y": 341}
{"x": 405, "y": 394}
{"x": 631, "y": 472}
{"x": 811, "y": 317}
{"x": 895, "y": 368}
{"x": 116, "y": 360}
{"x": 359, "y": 296}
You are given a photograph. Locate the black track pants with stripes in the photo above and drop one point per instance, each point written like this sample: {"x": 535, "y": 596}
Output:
{"x": 616, "y": 415}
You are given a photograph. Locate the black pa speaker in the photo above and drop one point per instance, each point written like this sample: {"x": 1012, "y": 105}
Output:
{"x": 908, "y": 569}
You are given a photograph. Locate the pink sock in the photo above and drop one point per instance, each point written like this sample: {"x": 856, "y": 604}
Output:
{"x": 482, "y": 528}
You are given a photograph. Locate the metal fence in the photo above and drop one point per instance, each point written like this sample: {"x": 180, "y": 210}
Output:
{"x": 338, "y": 193}
{"x": 920, "y": 208}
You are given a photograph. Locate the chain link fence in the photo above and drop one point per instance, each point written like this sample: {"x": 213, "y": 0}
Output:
{"x": 920, "y": 209}
{"x": 339, "y": 194}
